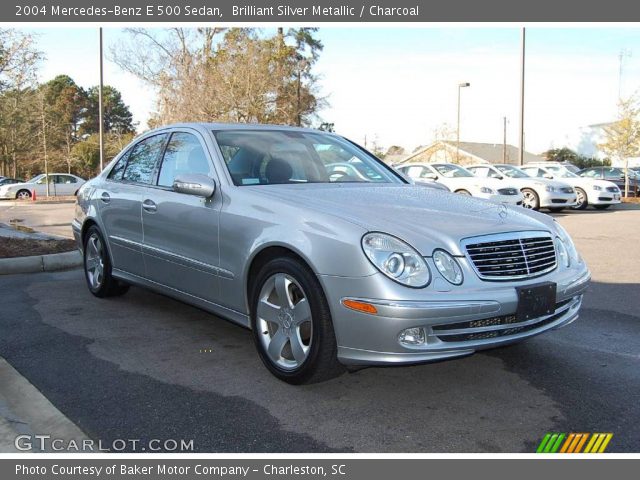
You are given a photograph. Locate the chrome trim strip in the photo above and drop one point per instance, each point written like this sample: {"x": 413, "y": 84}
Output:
{"x": 221, "y": 272}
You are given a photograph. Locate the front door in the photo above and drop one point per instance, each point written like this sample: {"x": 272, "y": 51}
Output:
{"x": 181, "y": 231}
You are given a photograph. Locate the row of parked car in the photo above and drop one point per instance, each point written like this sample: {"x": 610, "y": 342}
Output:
{"x": 60, "y": 184}
{"x": 549, "y": 185}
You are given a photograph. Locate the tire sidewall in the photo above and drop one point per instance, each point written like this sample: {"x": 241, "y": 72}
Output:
{"x": 319, "y": 313}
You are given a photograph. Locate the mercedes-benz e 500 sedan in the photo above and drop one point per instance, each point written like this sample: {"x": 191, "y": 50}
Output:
{"x": 327, "y": 268}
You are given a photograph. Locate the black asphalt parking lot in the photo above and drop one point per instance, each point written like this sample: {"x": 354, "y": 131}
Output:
{"x": 143, "y": 366}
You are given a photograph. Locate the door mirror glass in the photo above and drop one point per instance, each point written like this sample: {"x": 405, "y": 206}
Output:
{"x": 194, "y": 184}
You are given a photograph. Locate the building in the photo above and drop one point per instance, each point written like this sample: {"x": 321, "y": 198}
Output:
{"x": 469, "y": 153}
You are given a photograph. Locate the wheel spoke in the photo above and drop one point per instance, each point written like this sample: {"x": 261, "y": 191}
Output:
{"x": 276, "y": 345}
{"x": 301, "y": 312}
{"x": 269, "y": 312}
{"x": 283, "y": 291}
{"x": 297, "y": 348}
{"x": 92, "y": 263}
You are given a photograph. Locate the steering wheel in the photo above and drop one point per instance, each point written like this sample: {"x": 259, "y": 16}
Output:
{"x": 336, "y": 176}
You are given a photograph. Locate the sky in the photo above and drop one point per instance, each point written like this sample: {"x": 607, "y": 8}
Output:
{"x": 396, "y": 86}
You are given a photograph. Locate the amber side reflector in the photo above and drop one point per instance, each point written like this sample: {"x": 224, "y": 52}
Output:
{"x": 360, "y": 306}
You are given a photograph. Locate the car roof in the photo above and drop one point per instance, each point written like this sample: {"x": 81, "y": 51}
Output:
{"x": 206, "y": 126}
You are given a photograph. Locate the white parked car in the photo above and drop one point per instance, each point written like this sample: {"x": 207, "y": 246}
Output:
{"x": 538, "y": 192}
{"x": 599, "y": 193}
{"x": 60, "y": 184}
{"x": 460, "y": 180}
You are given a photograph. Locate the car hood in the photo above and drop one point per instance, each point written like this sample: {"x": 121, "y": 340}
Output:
{"x": 426, "y": 218}
{"x": 584, "y": 182}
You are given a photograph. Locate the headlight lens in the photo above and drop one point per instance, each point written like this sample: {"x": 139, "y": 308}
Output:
{"x": 486, "y": 190}
{"x": 563, "y": 255}
{"x": 447, "y": 266}
{"x": 549, "y": 188}
{"x": 396, "y": 259}
{"x": 597, "y": 188}
{"x": 568, "y": 244}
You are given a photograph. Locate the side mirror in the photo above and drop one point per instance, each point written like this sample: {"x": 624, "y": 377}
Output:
{"x": 548, "y": 175}
{"x": 194, "y": 184}
{"x": 430, "y": 176}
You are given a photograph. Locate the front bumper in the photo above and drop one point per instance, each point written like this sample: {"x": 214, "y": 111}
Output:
{"x": 457, "y": 321}
{"x": 557, "y": 199}
{"x": 604, "y": 197}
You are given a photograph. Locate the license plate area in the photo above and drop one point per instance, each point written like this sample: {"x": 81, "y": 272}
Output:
{"x": 536, "y": 301}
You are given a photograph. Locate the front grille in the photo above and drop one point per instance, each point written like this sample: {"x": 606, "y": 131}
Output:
{"x": 464, "y": 331}
{"x": 509, "y": 256}
{"x": 558, "y": 200}
{"x": 507, "y": 191}
{"x": 566, "y": 190}
{"x": 613, "y": 189}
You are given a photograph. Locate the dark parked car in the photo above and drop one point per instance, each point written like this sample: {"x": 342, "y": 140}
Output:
{"x": 615, "y": 175}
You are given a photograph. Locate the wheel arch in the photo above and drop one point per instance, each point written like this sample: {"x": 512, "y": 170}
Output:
{"x": 261, "y": 257}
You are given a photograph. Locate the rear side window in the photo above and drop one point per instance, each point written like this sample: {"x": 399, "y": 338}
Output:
{"x": 142, "y": 159}
{"x": 184, "y": 154}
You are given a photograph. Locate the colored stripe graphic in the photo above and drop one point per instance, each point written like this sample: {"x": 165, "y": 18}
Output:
{"x": 574, "y": 443}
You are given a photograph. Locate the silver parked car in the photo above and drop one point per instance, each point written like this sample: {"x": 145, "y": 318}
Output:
{"x": 249, "y": 222}
{"x": 60, "y": 184}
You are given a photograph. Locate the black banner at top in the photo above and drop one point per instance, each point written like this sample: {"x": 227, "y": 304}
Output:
{"x": 317, "y": 11}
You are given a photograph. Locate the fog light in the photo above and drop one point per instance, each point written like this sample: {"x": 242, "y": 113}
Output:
{"x": 412, "y": 336}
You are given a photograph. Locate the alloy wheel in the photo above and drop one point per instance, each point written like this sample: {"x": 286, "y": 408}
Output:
{"x": 94, "y": 261}
{"x": 284, "y": 321}
{"x": 23, "y": 195}
{"x": 529, "y": 200}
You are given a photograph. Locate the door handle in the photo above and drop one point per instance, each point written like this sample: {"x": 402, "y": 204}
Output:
{"x": 105, "y": 197}
{"x": 149, "y": 206}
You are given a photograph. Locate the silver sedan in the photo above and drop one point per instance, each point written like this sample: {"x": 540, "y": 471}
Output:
{"x": 253, "y": 224}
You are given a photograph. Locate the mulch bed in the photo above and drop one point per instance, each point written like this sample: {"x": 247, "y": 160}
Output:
{"x": 24, "y": 247}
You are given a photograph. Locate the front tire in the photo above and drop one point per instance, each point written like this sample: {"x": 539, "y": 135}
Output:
{"x": 23, "y": 195}
{"x": 97, "y": 267}
{"x": 291, "y": 323}
{"x": 530, "y": 199}
{"x": 582, "y": 201}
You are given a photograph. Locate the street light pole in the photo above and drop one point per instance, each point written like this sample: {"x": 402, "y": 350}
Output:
{"x": 460, "y": 86}
{"x": 100, "y": 109}
{"x": 521, "y": 133}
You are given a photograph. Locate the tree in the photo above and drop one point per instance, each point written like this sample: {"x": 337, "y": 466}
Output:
{"x": 241, "y": 77}
{"x": 117, "y": 116}
{"x": 565, "y": 154}
{"x": 622, "y": 137}
{"x": 86, "y": 153}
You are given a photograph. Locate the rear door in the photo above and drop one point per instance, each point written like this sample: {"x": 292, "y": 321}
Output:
{"x": 66, "y": 184}
{"x": 181, "y": 231}
{"x": 120, "y": 202}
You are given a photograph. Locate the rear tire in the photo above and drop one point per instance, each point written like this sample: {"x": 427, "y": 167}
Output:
{"x": 601, "y": 207}
{"x": 291, "y": 323}
{"x": 97, "y": 267}
{"x": 582, "y": 201}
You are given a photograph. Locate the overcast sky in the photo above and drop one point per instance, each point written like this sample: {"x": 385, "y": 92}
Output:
{"x": 399, "y": 84}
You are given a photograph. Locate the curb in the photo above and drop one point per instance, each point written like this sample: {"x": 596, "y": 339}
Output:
{"x": 41, "y": 263}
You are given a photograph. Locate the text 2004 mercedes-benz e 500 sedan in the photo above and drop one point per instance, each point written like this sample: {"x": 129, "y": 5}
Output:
{"x": 328, "y": 268}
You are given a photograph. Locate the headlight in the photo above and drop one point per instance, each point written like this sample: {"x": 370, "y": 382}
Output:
{"x": 563, "y": 255}
{"x": 448, "y": 266}
{"x": 597, "y": 188}
{"x": 567, "y": 244}
{"x": 396, "y": 259}
{"x": 487, "y": 190}
{"x": 549, "y": 188}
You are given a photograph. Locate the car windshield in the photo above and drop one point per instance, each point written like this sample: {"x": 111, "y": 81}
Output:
{"x": 452, "y": 171}
{"x": 513, "y": 172}
{"x": 560, "y": 171}
{"x": 35, "y": 179}
{"x": 267, "y": 157}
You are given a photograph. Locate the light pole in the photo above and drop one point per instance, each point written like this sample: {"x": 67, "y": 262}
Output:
{"x": 521, "y": 130}
{"x": 460, "y": 86}
{"x": 101, "y": 110}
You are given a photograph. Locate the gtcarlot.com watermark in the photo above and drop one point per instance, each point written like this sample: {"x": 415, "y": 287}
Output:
{"x": 47, "y": 443}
